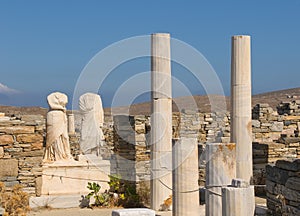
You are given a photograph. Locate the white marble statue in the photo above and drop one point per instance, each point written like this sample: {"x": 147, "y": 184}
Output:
{"x": 92, "y": 137}
{"x": 57, "y": 138}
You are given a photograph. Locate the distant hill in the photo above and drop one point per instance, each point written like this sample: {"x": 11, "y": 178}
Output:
{"x": 202, "y": 102}
{"x": 13, "y": 110}
{"x": 272, "y": 98}
{"x": 275, "y": 97}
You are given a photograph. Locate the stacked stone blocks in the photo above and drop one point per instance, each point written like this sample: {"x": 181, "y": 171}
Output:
{"x": 275, "y": 136}
{"x": 283, "y": 187}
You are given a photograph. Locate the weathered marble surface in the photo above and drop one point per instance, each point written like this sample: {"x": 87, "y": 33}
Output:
{"x": 241, "y": 124}
{"x": 161, "y": 120}
{"x": 92, "y": 137}
{"x": 57, "y": 138}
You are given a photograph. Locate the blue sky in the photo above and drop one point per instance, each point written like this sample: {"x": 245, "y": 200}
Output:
{"x": 44, "y": 45}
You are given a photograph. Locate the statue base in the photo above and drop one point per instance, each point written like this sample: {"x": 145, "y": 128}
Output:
{"x": 69, "y": 179}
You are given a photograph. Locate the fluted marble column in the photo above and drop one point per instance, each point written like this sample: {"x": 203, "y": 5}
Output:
{"x": 71, "y": 124}
{"x": 161, "y": 120}
{"x": 241, "y": 125}
{"x": 220, "y": 170}
{"x": 185, "y": 178}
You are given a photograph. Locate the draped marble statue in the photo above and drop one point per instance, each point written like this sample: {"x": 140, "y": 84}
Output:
{"x": 92, "y": 137}
{"x": 57, "y": 138}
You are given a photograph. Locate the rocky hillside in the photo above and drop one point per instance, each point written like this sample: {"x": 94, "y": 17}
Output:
{"x": 202, "y": 101}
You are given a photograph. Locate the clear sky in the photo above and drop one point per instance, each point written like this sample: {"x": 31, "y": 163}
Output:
{"x": 44, "y": 45}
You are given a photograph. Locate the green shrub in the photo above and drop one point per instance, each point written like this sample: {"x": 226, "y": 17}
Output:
{"x": 127, "y": 196}
{"x": 101, "y": 199}
{"x": 121, "y": 193}
{"x": 114, "y": 183}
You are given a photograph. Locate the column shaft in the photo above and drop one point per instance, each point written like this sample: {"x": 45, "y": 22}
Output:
{"x": 71, "y": 124}
{"x": 238, "y": 201}
{"x": 241, "y": 125}
{"x": 185, "y": 178}
{"x": 161, "y": 120}
{"x": 220, "y": 170}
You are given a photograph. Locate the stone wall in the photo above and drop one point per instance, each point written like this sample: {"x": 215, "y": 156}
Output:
{"x": 21, "y": 150}
{"x": 283, "y": 188}
{"x": 275, "y": 136}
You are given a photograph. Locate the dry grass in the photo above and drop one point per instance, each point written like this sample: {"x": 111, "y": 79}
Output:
{"x": 16, "y": 202}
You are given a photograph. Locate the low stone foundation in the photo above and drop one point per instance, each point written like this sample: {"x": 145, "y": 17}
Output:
{"x": 283, "y": 188}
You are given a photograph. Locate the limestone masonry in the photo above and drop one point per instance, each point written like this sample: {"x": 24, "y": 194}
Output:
{"x": 275, "y": 136}
{"x": 21, "y": 151}
{"x": 283, "y": 187}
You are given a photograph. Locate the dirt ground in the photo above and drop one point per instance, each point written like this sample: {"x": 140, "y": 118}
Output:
{"x": 260, "y": 210}
{"x": 80, "y": 212}
{"x": 89, "y": 212}
{"x": 72, "y": 211}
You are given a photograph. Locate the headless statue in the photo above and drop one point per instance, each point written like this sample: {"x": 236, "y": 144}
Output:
{"x": 57, "y": 138}
{"x": 92, "y": 137}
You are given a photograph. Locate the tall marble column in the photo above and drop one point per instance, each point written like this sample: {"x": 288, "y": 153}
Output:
{"x": 241, "y": 125}
{"x": 161, "y": 120}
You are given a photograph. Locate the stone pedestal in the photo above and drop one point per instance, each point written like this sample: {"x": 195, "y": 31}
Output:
{"x": 61, "y": 178}
{"x": 71, "y": 124}
{"x": 185, "y": 178}
{"x": 241, "y": 125}
{"x": 161, "y": 120}
{"x": 66, "y": 182}
{"x": 238, "y": 199}
{"x": 133, "y": 212}
{"x": 55, "y": 201}
{"x": 220, "y": 170}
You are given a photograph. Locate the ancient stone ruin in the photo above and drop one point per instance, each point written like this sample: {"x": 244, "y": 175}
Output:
{"x": 232, "y": 155}
{"x": 22, "y": 141}
{"x": 283, "y": 187}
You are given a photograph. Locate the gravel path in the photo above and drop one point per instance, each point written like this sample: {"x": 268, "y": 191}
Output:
{"x": 90, "y": 212}
{"x": 260, "y": 210}
{"x": 80, "y": 212}
{"x": 71, "y": 212}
